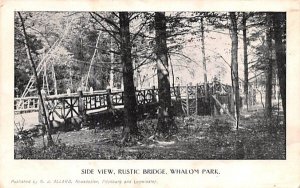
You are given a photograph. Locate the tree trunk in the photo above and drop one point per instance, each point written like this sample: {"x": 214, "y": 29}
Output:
{"x": 130, "y": 119}
{"x": 112, "y": 59}
{"x": 269, "y": 72}
{"x": 173, "y": 76}
{"x": 244, "y": 22}
{"x": 47, "y": 126}
{"x": 234, "y": 65}
{"x": 278, "y": 20}
{"x": 165, "y": 114}
{"x": 81, "y": 58}
{"x": 203, "y": 52}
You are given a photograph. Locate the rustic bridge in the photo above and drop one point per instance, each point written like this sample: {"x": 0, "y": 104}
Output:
{"x": 187, "y": 100}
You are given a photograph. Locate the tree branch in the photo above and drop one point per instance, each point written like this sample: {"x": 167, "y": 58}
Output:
{"x": 133, "y": 16}
{"x": 105, "y": 29}
{"x": 136, "y": 34}
{"x": 107, "y": 21}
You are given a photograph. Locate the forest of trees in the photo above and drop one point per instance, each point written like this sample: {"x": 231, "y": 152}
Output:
{"x": 108, "y": 49}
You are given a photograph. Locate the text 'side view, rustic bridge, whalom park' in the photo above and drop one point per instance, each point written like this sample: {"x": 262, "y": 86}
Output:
{"x": 150, "y": 85}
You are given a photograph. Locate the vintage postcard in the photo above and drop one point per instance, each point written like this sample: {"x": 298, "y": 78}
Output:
{"x": 148, "y": 94}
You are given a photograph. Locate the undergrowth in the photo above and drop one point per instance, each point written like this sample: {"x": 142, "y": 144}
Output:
{"x": 197, "y": 138}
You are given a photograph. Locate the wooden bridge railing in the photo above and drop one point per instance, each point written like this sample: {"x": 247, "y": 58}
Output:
{"x": 63, "y": 106}
{"x": 95, "y": 101}
{"x": 26, "y": 104}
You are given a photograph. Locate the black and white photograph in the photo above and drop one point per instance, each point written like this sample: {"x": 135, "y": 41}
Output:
{"x": 173, "y": 85}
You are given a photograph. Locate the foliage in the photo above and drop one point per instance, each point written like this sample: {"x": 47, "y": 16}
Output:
{"x": 24, "y": 143}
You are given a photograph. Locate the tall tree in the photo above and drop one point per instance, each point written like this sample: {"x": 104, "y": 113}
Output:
{"x": 244, "y": 27}
{"x": 26, "y": 40}
{"x": 165, "y": 119}
{"x": 269, "y": 68}
{"x": 130, "y": 126}
{"x": 234, "y": 64}
{"x": 279, "y": 25}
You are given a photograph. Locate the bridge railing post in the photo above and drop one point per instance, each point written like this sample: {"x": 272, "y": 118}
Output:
{"x": 153, "y": 94}
{"x": 81, "y": 108}
{"x": 177, "y": 104}
{"x": 144, "y": 96}
{"x": 108, "y": 99}
{"x": 177, "y": 91}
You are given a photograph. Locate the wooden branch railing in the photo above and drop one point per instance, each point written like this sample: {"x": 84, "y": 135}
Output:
{"x": 68, "y": 105}
{"x": 26, "y": 104}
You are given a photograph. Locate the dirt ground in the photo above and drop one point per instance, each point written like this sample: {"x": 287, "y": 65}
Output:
{"x": 199, "y": 137}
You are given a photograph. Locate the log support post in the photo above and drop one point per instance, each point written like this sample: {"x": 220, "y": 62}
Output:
{"x": 178, "y": 93}
{"x": 108, "y": 99}
{"x": 81, "y": 107}
{"x": 153, "y": 95}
